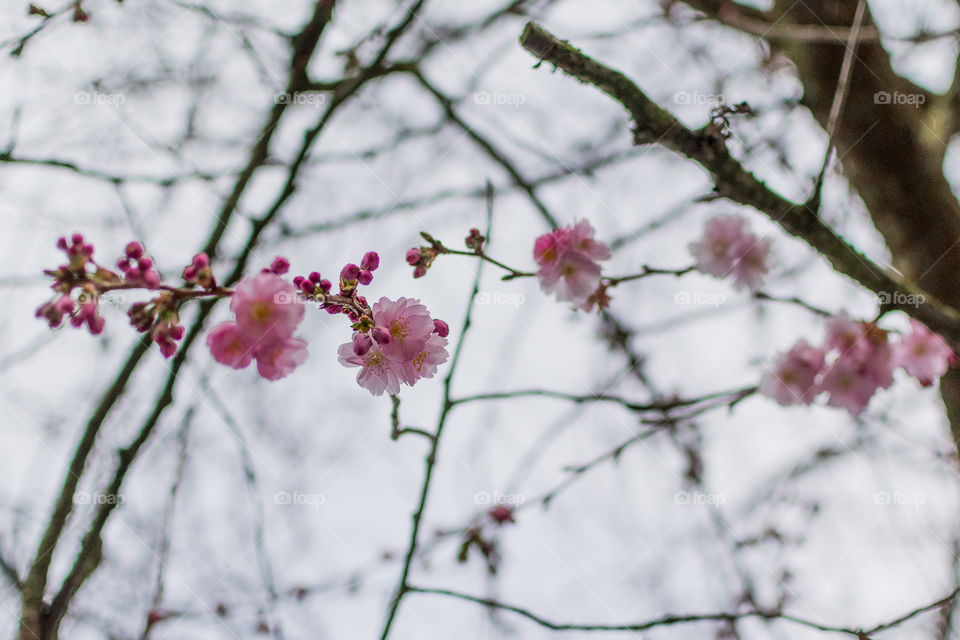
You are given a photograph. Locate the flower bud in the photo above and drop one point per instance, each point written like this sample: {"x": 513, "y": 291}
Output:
{"x": 280, "y": 265}
{"x": 361, "y": 344}
{"x": 370, "y": 261}
{"x": 350, "y": 273}
{"x": 134, "y": 250}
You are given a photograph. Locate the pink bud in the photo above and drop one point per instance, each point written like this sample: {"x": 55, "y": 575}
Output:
{"x": 280, "y": 265}
{"x": 62, "y": 244}
{"x": 334, "y": 309}
{"x": 123, "y": 264}
{"x": 441, "y": 328}
{"x": 325, "y": 286}
{"x": 365, "y": 277}
{"x": 64, "y": 304}
{"x": 176, "y": 332}
{"x": 361, "y": 301}
{"x": 381, "y": 335}
{"x": 307, "y": 286}
{"x": 133, "y": 274}
{"x": 87, "y": 250}
{"x": 190, "y": 273}
{"x": 76, "y": 238}
{"x": 501, "y": 514}
{"x": 145, "y": 263}
{"x": 134, "y": 250}
{"x": 370, "y": 261}
{"x": 361, "y": 344}
{"x": 413, "y": 256}
{"x": 95, "y": 324}
{"x": 201, "y": 261}
{"x": 419, "y": 272}
{"x": 350, "y": 273}
{"x": 315, "y": 276}
{"x": 152, "y": 278}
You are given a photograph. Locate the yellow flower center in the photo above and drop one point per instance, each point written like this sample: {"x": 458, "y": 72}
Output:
{"x": 398, "y": 330}
{"x": 260, "y": 312}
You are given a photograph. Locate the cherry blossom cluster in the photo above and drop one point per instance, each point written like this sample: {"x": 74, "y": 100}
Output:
{"x": 82, "y": 274}
{"x": 569, "y": 264}
{"x": 856, "y": 360}
{"x": 393, "y": 342}
{"x": 729, "y": 249}
{"x": 266, "y": 313}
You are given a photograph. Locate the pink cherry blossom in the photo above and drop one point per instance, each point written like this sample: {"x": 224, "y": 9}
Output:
{"x": 377, "y": 374}
{"x": 568, "y": 262}
{"x": 230, "y": 346}
{"x": 923, "y": 354}
{"x": 752, "y": 266}
{"x": 278, "y": 359}
{"x": 793, "y": 378}
{"x": 88, "y": 314}
{"x": 267, "y": 308}
{"x": 166, "y": 334}
{"x": 408, "y": 324}
{"x": 728, "y": 248}
{"x": 850, "y": 386}
{"x": 848, "y": 336}
{"x": 425, "y": 363}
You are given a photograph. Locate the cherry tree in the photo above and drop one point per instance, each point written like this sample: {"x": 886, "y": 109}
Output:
{"x": 538, "y": 318}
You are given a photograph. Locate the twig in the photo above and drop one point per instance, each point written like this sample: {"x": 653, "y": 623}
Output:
{"x": 431, "y": 459}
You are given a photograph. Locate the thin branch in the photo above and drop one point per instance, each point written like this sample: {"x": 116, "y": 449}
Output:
{"x": 664, "y": 621}
{"x": 431, "y": 459}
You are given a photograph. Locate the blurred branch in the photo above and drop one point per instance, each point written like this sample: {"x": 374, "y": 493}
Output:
{"x": 447, "y": 104}
{"x": 707, "y": 148}
{"x": 689, "y": 618}
{"x": 663, "y": 621}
